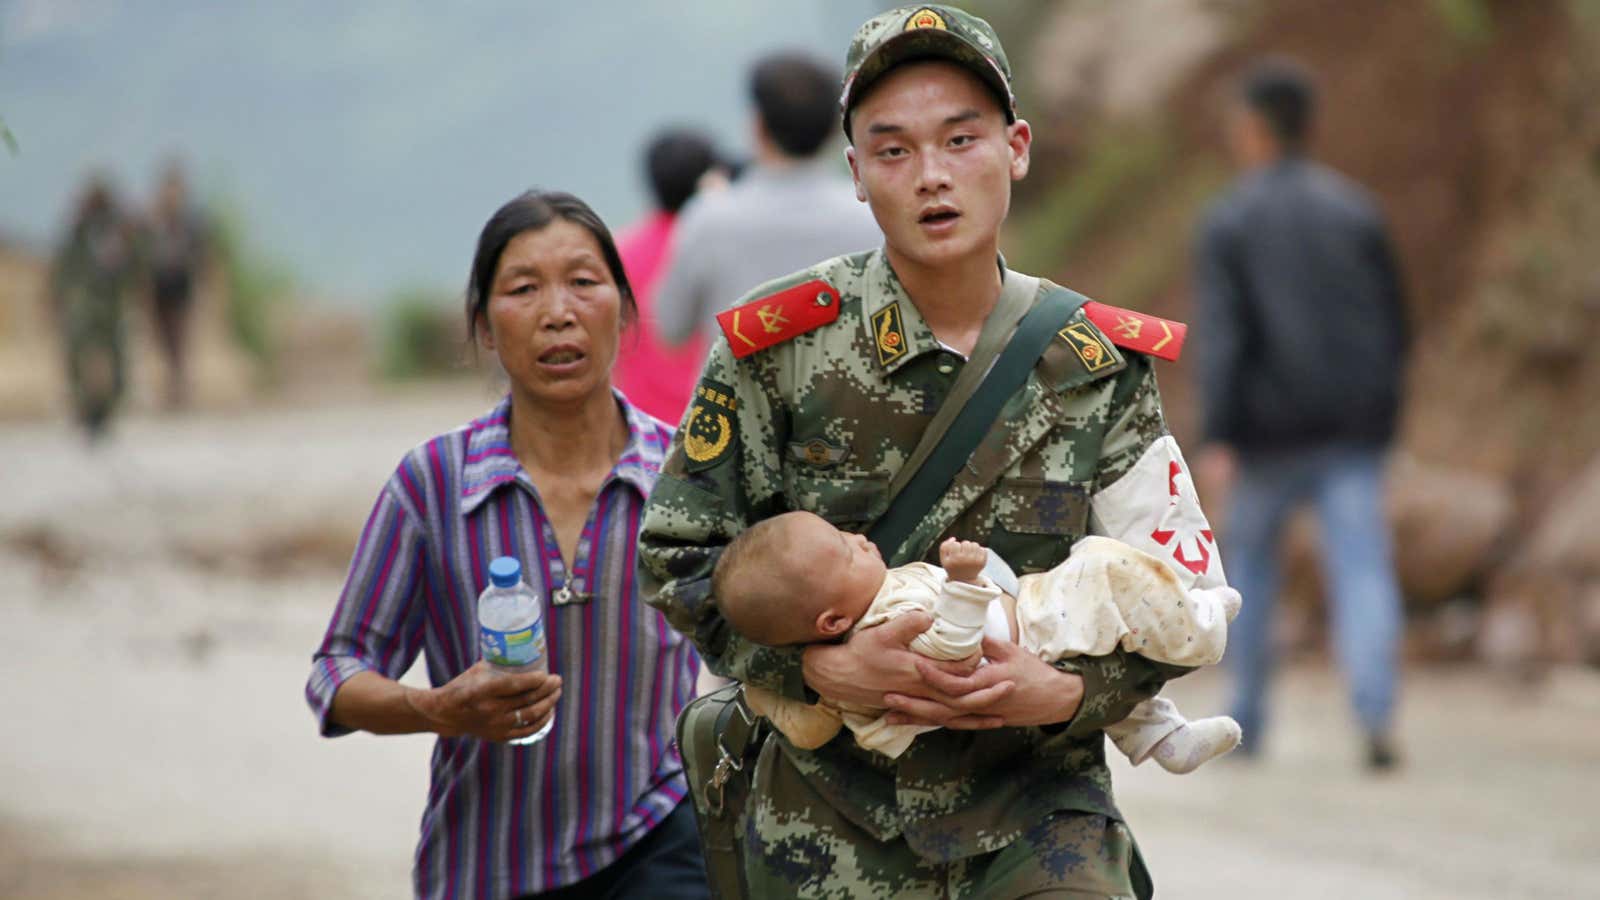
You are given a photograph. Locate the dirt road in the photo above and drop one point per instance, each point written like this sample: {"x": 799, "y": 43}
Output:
{"x": 160, "y": 598}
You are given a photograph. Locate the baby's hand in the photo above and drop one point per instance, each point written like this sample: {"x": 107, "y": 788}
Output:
{"x": 962, "y": 560}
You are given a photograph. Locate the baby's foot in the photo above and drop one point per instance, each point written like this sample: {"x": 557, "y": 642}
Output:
{"x": 1196, "y": 743}
{"x": 807, "y": 726}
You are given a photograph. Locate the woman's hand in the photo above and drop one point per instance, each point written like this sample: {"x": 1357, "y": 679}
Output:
{"x": 485, "y": 703}
{"x": 873, "y": 662}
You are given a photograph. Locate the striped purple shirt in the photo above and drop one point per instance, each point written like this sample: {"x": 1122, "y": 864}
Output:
{"x": 502, "y": 820}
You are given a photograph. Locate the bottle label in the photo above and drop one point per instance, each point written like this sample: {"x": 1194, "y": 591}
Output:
{"x": 512, "y": 648}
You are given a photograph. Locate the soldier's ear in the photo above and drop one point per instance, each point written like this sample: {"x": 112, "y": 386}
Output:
{"x": 832, "y": 623}
{"x": 1019, "y": 135}
{"x": 855, "y": 174}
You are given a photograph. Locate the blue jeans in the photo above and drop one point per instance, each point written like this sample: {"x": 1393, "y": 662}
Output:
{"x": 1346, "y": 484}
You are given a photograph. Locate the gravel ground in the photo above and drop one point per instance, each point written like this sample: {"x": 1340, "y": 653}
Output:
{"x": 194, "y": 561}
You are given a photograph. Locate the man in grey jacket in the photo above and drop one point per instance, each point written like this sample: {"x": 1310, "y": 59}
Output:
{"x": 1302, "y": 352}
{"x": 789, "y": 210}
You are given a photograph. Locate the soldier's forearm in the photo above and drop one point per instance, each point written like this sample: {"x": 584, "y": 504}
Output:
{"x": 778, "y": 669}
{"x": 1113, "y": 685}
{"x": 689, "y": 608}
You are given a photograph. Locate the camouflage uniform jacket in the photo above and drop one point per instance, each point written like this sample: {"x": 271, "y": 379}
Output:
{"x": 822, "y": 422}
{"x": 93, "y": 268}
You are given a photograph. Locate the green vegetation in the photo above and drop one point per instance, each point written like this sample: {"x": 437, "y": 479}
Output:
{"x": 1587, "y": 14}
{"x": 1468, "y": 21}
{"x": 1117, "y": 172}
{"x": 421, "y": 335}
{"x": 258, "y": 288}
{"x": 1162, "y": 234}
{"x": 1536, "y": 294}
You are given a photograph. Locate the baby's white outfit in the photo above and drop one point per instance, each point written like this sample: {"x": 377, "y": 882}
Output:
{"x": 1107, "y": 594}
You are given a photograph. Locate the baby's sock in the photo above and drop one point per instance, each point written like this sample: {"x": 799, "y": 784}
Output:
{"x": 1196, "y": 743}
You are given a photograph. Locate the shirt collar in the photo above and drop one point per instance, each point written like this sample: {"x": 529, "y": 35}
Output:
{"x": 882, "y": 289}
{"x": 490, "y": 463}
{"x": 894, "y": 328}
{"x": 641, "y": 459}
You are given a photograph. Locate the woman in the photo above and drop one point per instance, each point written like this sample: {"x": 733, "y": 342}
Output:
{"x": 680, "y": 163}
{"x": 176, "y": 235}
{"x": 556, "y": 475}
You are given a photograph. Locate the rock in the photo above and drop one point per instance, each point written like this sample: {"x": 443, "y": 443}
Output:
{"x": 1106, "y": 57}
{"x": 1449, "y": 632}
{"x": 1588, "y": 609}
{"x": 1449, "y": 526}
{"x": 1553, "y": 578}
{"x": 1565, "y": 543}
{"x": 1510, "y": 634}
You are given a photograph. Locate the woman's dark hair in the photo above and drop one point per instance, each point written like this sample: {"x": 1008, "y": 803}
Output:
{"x": 675, "y": 159}
{"x": 1283, "y": 94}
{"x": 532, "y": 211}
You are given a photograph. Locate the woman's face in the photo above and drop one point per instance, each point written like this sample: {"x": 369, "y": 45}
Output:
{"x": 554, "y": 313}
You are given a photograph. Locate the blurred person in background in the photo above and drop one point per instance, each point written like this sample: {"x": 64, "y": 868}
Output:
{"x": 175, "y": 246}
{"x": 1302, "y": 353}
{"x": 555, "y": 475}
{"x": 658, "y": 378}
{"x": 89, "y": 280}
{"x": 788, "y": 209}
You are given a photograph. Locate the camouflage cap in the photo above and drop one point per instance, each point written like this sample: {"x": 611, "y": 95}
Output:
{"x": 924, "y": 32}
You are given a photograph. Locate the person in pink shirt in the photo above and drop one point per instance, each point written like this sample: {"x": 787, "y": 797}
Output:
{"x": 656, "y": 377}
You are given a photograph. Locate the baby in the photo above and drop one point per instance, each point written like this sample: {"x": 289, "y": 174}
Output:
{"x": 795, "y": 579}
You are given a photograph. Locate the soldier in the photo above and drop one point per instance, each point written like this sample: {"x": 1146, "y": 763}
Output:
{"x": 814, "y": 398}
{"x": 88, "y": 280}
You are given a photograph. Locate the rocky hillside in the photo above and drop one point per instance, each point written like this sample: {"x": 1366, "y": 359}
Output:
{"x": 1474, "y": 123}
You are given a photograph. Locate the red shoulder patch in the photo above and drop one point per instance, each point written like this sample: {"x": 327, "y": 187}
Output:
{"x": 775, "y": 318}
{"x": 1138, "y": 331}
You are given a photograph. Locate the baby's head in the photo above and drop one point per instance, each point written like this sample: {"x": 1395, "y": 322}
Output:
{"x": 794, "y": 579}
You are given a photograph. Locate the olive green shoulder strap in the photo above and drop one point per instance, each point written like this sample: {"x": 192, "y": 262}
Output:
{"x": 972, "y": 406}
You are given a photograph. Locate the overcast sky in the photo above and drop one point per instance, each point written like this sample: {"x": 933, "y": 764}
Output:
{"x": 367, "y": 140}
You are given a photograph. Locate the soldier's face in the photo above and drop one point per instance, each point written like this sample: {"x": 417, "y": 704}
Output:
{"x": 553, "y": 314}
{"x": 935, "y": 159}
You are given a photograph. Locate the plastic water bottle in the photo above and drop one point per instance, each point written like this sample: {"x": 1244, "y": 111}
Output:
{"x": 511, "y": 627}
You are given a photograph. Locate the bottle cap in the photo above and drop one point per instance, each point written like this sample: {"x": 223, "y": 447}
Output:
{"x": 505, "y": 571}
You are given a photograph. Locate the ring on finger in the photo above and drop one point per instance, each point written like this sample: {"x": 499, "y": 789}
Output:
{"x": 519, "y": 718}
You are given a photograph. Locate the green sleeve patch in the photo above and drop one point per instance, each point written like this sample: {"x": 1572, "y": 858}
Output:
{"x": 710, "y": 431}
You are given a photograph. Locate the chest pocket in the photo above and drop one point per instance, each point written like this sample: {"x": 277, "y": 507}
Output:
{"x": 1036, "y": 521}
{"x": 848, "y": 503}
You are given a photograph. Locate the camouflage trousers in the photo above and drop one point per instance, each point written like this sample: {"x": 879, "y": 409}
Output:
{"x": 96, "y": 369}
{"x": 797, "y": 845}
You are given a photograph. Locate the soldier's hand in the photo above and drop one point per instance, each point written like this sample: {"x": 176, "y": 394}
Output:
{"x": 1034, "y": 693}
{"x": 874, "y": 661}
